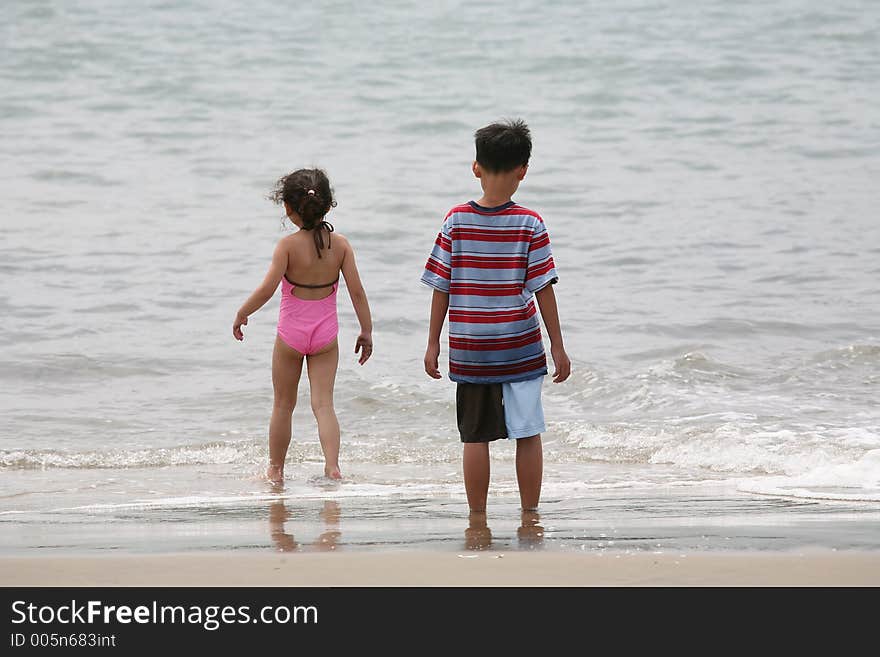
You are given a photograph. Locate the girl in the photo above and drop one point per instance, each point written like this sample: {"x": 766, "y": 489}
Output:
{"x": 307, "y": 264}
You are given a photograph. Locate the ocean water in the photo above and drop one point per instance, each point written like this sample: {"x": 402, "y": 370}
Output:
{"x": 707, "y": 172}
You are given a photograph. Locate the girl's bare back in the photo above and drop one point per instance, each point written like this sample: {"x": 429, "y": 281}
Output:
{"x": 305, "y": 268}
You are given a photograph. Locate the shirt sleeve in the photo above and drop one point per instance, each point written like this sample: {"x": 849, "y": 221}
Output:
{"x": 438, "y": 269}
{"x": 541, "y": 270}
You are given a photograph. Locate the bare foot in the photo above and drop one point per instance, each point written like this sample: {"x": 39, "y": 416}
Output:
{"x": 477, "y": 536}
{"x": 332, "y": 473}
{"x": 275, "y": 473}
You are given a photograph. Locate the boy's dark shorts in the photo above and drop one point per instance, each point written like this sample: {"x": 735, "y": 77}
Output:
{"x": 480, "y": 412}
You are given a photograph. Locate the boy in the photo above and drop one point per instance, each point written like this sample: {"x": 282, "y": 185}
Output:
{"x": 489, "y": 260}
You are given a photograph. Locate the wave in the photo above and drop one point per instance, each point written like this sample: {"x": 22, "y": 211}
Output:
{"x": 216, "y": 453}
{"x": 75, "y": 367}
{"x": 689, "y": 379}
{"x": 830, "y": 464}
{"x": 697, "y": 362}
{"x": 724, "y": 327}
{"x": 849, "y": 356}
{"x": 407, "y": 448}
{"x": 725, "y": 442}
{"x": 739, "y": 445}
{"x": 855, "y": 481}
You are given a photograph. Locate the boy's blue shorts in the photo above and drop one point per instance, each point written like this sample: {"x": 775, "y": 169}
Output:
{"x": 489, "y": 411}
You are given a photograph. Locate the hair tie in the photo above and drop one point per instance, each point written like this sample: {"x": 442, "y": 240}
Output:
{"x": 319, "y": 237}
{"x": 311, "y": 192}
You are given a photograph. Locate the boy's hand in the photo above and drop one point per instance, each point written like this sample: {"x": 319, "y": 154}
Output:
{"x": 432, "y": 358}
{"x": 562, "y": 363}
{"x": 364, "y": 344}
{"x": 236, "y": 326}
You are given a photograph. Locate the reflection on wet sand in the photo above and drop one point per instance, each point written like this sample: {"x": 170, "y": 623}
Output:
{"x": 285, "y": 542}
{"x": 477, "y": 536}
{"x": 278, "y": 515}
{"x": 530, "y": 532}
{"x": 330, "y": 514}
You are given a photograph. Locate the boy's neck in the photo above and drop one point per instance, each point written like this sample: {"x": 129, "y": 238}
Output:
{"x": 487, "y": 201}
{"x": 498, "y": 187}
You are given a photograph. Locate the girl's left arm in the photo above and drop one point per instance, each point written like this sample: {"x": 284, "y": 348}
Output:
{"x": 264, "y": 292}
{"x": 364, "y": 342}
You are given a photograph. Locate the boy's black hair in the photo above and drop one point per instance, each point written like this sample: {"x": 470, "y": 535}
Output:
{"x": 503, "y": 146}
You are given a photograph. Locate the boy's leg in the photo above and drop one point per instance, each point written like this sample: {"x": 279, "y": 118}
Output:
{"x": 524, "y": 419}
{"x": 480, "y": 415}
{"x": 322, "y": 377}
{"x": 477, "y": 536}
{"x": 476, "y": 475}
{"x": 529, "y": 471}
{"x": 286, "y": 371}
{"x": 530, "y": 532}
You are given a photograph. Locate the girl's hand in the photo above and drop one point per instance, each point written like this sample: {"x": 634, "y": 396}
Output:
{"x": 236, "y": 326}
{"x": 364, "y": 344}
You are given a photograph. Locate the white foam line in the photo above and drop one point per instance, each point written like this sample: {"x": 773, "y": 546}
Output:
{"x": 194, "y": 502}
{"x": 804, "y": 493}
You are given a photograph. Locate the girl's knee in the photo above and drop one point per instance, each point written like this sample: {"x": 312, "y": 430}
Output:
{"x": 285, "y": 404}
{"x": 322, "y": 406}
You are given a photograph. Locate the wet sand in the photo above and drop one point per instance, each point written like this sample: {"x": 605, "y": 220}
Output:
{"x": 424, "y": 568}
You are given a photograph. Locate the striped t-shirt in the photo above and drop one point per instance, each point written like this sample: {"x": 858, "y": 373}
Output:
{"x": 491, "y": 261}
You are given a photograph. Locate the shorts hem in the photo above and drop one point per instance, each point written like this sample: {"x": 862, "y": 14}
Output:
{"x": 526, "y": 432}
{"x": 471, "y": 439}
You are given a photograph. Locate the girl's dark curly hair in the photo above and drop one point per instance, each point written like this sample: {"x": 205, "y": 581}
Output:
{"x": 308, "y": 193}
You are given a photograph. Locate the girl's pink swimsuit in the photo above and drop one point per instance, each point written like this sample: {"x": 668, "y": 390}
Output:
{"x": 304, "y": 324}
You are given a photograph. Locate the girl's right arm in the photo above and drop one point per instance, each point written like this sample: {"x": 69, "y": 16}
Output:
{"x": 358, "y": 296}
{"x": 264, "y": 292}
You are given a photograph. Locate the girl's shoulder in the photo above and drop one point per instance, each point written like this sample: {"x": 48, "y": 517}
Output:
{"x": 342, "y": 238}
{"x": 288, "y": 239}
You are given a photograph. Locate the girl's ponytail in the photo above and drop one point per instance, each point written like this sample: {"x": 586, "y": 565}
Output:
{"x": 308, "y": 193}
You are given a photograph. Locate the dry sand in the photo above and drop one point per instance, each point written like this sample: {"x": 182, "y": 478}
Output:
{"x": 410, "y": 568}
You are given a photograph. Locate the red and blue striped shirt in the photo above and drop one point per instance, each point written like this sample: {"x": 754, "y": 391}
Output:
{"x": 491, "y": 261}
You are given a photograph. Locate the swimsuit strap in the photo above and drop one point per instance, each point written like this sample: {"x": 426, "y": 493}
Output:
{"x": 312, "y": 287}
{"x": 319, "y": 237}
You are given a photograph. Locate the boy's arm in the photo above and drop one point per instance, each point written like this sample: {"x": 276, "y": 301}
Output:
{"x": 439, "y": 307}
{"x": 264, "y": 292}
{"x": 547, "y": 303}
{"x": 438, "y": 275}
{"x": 364, "y": 342}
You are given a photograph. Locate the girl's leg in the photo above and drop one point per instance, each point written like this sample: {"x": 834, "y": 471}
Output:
{"x": 330, "y": 536}
{"x": 475, "y": 462}
{"x": 322, "y": 377}
{"x": 278, "y": 515}
{"x": 286, "y": 371}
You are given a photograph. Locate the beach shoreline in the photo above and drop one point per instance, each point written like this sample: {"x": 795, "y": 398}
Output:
{"x": 424, "y": 568}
